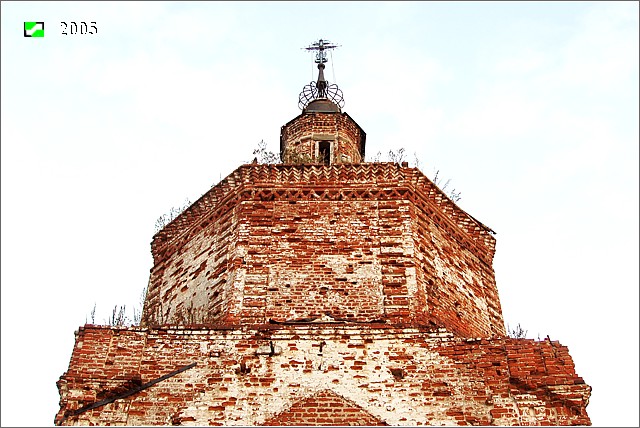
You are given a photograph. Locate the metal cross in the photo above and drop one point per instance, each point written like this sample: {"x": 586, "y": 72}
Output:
{"x": 320, "y": 46}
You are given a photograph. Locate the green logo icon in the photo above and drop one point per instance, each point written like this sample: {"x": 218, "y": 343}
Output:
{"x": 34, "y": 29}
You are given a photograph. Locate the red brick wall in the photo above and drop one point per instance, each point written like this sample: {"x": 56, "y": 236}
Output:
{"x": 277, "y": 374}
{"x": 308, "y": 258}
{"x": 359, "y": 242}
{"x": 460, "y": 291}
{"x": 191, "y": 281}
{"x": 324, "y": 408}
{"x": 301, "y": 135}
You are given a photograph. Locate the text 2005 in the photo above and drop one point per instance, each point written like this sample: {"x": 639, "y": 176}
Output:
{"x": 79, "y": 28}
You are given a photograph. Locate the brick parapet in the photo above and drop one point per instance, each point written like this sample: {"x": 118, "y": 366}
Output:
{"x": 251, "y": 375}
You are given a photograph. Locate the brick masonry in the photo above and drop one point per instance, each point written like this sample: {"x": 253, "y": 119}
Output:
{"x": 299, "y": 138}
{"x": 319, "y": 374}
{"x": 360, "y": 242}
{"x": 306, "y": 294}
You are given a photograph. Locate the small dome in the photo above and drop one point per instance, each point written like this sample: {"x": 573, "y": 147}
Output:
{"x": 321, "y": 105}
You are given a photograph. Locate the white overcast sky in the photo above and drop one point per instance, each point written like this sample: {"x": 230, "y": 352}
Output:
{"x": 531, "y": 109}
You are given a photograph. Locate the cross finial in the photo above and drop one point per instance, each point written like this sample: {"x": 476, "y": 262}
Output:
{"x": 321, "y": 58}
{"x": 320, "y": 89}
{"x": 320, "y": 46}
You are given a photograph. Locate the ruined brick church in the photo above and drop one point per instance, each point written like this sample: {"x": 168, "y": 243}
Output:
{"x": 322, "y": 290}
